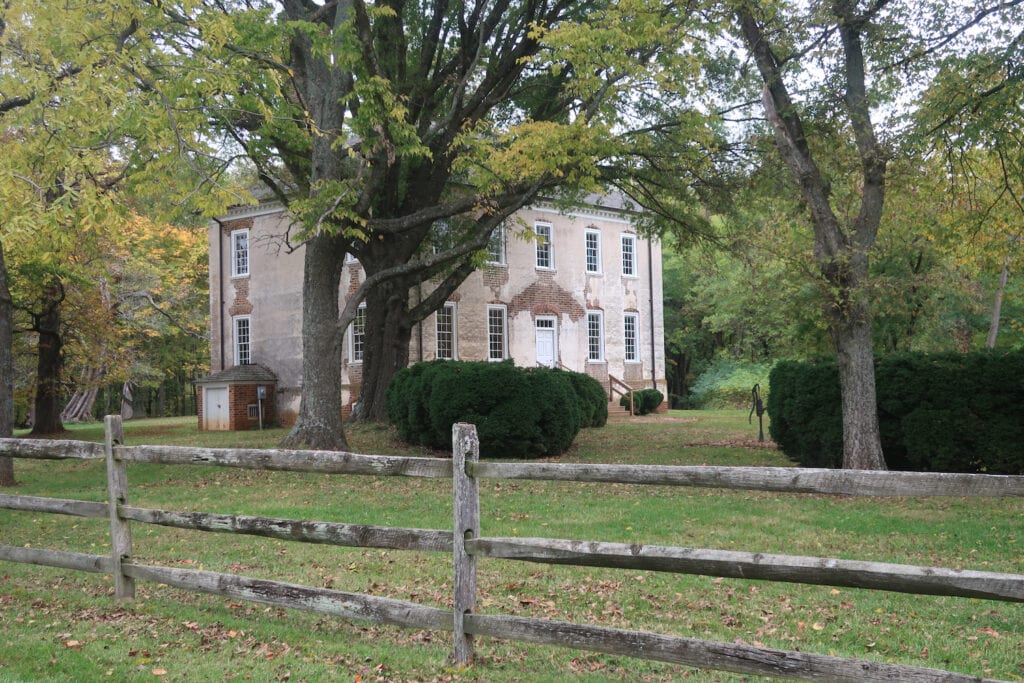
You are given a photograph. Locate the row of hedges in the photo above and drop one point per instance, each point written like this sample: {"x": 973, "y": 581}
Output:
{"x": 939, "y": 412}
{"x": 518, "y": 412}
{"x": 647, "y": 401}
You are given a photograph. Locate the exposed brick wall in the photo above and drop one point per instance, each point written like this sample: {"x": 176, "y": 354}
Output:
{"x": 546, "y": 297}
{"x": 238, "y": 224}
{"x": 241, "y": 304}
{"x": 199, "y": 407}
{"x": 240, "y": 397}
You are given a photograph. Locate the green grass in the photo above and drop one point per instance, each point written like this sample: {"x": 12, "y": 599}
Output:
{"x": 61, "y": 625}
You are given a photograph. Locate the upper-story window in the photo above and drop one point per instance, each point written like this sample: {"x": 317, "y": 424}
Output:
{"x": 357, "y": 335}
{"x": 243, "y": 340}
{"x": 496, "y": 246}
{"x": 629, "y": 255}
{"x": 630, "y": 337}
{"x": 545, "y": 249}
{"x": 595, "y": 336}
{"x": 445, "y": 329}
{"x": 239, "y": 253}
{"x": 592, "y": 242}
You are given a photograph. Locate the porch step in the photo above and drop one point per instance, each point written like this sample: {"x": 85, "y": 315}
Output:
{"x": 617, "y": 412}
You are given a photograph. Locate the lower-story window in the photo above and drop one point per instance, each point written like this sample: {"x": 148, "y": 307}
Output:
{"x": 497, "y": 333}
{"x": 595, "y": 336}
{"x": 357, "y": 335}
{"x": 630, "y": 336}
{"x": 445, "y": 323}
{"x": 243, "y": 340}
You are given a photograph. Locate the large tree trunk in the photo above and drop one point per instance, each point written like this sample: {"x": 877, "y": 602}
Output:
{"x": 388, "y": 332}
{"x": 6, "y": 371}
{"x": 840, "y": 251}
{"x": 861, "y": 437}
{"x": 319, "y": 423}
{"x": 49, "y": 367}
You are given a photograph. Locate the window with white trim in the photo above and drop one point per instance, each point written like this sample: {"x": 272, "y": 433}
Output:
{"x": 445, "y": 328}
{"x": 595, "y": 336}
{"x": 357, "y": 335}
{"x": 239, "y": 253}
{"x": 592, "y": 242}
{"x": 497, "y": 333}
{"x": 496, "y": 247}
{"x": 242, "y": 327}
{"x": 629, "y": 255}
{"x": 630, "y": 337}
{"x": 545, "y": 249}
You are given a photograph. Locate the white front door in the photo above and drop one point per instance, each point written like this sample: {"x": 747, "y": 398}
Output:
{"x": 215, "y": 408}
{"x": 546, "y": 352}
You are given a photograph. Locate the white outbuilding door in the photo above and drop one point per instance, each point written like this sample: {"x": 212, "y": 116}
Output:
{"x": 546, "y": 351}
{"x": 215, "y": 408}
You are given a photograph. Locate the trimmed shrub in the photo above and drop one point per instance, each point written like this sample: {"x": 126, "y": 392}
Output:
{"x": 518, "y": 412}
{"x": 647, "y": 401}
{"x": 592, "y": 399}
{"x": 941, "y": 413}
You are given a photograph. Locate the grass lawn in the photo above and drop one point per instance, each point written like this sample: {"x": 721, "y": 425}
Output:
{"x": 62, "y": 625}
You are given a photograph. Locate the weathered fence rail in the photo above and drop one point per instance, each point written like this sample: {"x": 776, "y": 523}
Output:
{"x": 468, "y": 545}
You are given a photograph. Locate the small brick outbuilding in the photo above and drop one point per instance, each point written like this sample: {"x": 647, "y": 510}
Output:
{"x": 237, "y": 398}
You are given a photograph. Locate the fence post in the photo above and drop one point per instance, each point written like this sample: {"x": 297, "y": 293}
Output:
{"x": 117, "y": 494}
{"x": 465, "y": 452}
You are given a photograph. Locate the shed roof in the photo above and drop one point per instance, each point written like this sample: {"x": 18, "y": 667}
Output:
{"x": 241, "y": 374}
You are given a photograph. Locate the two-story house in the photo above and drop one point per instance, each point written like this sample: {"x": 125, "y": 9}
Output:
{"x": 583, "y": 292}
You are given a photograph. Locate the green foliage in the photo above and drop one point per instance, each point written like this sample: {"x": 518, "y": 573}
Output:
{"x": 518, "y": 412}
{"x": 647, "y": 401}
{"x": 805, "y": 409}
{"x": 941, "y": 412}
{"x": 727, "y": 383}
{"x": 593, "y": 401}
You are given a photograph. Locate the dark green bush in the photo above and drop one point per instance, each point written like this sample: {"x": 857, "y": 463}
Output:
{"x": 518, "y": 412}
{"x": 647, "y": 401}
{"x": 592, "y": 399}
{"x": 942, "y": 412}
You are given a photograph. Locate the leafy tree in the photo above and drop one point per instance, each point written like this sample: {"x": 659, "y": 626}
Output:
{"x": 372, "y": 123}
{"x": 80, "y": 119}
{"x": 831, "y": 145}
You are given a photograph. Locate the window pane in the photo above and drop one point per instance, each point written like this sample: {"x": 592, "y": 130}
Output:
{"x": 543, "y": 246}
{"x": 496, "y": 246}
{"x": 630, "y": 337}
{"x": 628, "y": 255}
{"x": 595, "y": 337}
{"x": 243, "y": 342}
{"x": 446, "y": 332}
{"x": 593, "y": 242}
{"x": 240, "y": 253}
{"x": 496, "y": 333}
{"x": 359, "y": 334}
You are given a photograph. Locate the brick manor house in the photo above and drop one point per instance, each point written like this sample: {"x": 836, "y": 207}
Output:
{"x": 585, "y": 294}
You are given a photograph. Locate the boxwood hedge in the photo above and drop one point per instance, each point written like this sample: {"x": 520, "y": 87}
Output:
{"x": 937, "y": 412}
{"x": 518, "y": 412}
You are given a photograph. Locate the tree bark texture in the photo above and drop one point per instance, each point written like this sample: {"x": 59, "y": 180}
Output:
{"x": 387, "y": 320}
{"x": 841, "y": 251}
{"x": 319, "y": 423}
{"x": 6, "y": 370}
{"x": 50, "y": 365}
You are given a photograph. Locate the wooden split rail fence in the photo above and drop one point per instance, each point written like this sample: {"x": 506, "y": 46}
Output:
{"x": 468, "y": 545}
